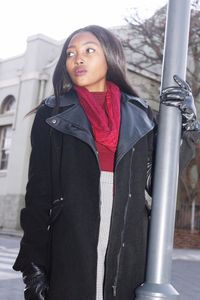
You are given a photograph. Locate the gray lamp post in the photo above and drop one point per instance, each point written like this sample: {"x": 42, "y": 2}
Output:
{"x": 157, "y": 285}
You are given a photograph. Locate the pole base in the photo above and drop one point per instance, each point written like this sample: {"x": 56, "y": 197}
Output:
{"x": 153, "y": 291}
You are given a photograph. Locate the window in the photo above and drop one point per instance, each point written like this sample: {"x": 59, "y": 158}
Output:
{"x": 8, "y": 105}
{"x": 5, "y": 143}
{"x": 7, "y": 113}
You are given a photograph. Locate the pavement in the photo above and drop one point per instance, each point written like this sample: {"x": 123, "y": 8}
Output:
{"x": 185, "y": 271}
{"x": 11, "y": 285}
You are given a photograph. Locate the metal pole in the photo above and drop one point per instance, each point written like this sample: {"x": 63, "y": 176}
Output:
{"x": 157, "y": 285}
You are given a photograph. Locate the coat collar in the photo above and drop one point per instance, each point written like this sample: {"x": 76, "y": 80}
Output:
{"x": 72, "y": 120}
{"x": 71, "y": 98}
{"x": 65, "y": 100}
{"x": 135, "y": 122}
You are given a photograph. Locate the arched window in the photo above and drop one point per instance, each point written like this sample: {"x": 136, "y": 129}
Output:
{"x": 8, "y": 104}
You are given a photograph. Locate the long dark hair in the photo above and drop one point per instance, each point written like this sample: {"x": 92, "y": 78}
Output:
{"x": 114, "y": 55}
{"x": 115, "y": 58}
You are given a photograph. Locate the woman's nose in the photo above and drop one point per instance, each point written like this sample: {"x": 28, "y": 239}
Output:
{"x": 79, "y": 59}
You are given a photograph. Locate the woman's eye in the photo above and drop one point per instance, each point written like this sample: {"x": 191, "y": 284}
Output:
{"x": 70, "y": 54}
{"x": 90, "y": 50}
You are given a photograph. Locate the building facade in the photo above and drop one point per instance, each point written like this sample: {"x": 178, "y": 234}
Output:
{"x": 24, "y": 81}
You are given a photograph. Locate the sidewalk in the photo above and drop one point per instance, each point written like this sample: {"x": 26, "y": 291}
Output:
{"x": 186, "y": 273}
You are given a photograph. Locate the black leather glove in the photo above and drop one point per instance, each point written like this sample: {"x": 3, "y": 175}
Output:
{"x": 181, "y": 97}
{"x": 35, "y": 280}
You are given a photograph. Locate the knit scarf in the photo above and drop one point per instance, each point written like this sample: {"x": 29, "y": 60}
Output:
{"x": 105, "y": 121}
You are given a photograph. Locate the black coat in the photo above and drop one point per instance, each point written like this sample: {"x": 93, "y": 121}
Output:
{"x": 64, "y": 163}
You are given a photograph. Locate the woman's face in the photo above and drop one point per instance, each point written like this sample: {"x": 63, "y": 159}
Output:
{"x": 86, "y": 63}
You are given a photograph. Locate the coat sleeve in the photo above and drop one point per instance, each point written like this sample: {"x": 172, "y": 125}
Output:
{"x": 34, "y": 217}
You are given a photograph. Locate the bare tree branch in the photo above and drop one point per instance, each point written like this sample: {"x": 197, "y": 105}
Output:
{"x": 145, "y": 41}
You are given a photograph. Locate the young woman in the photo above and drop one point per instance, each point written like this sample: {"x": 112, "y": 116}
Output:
{"x": 85, "y": 222}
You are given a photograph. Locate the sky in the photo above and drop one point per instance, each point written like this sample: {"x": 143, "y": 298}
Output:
{"x": 20, "y": 19}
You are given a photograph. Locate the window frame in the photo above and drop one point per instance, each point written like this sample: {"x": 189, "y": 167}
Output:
{"x": 5, "y": 138}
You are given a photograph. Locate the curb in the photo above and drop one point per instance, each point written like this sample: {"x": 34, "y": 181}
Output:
{"x": 186, "y": 254}
{"x": 11, "y": 232}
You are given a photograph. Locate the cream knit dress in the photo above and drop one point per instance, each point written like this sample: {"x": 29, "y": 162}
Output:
{"x": 106, "y": 201}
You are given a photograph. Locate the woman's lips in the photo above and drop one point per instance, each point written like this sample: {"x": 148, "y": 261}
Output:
{"x": 80, "y": 71}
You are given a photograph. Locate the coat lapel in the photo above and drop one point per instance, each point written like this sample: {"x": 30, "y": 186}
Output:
{"x": 135, "y": 122}
{"x": 72, "y": 120}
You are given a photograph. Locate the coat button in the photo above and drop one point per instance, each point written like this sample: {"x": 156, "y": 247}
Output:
{"x": 54, "y": 121}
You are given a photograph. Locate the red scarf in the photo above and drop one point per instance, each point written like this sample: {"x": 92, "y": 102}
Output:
{"x": 105, "y": 122}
